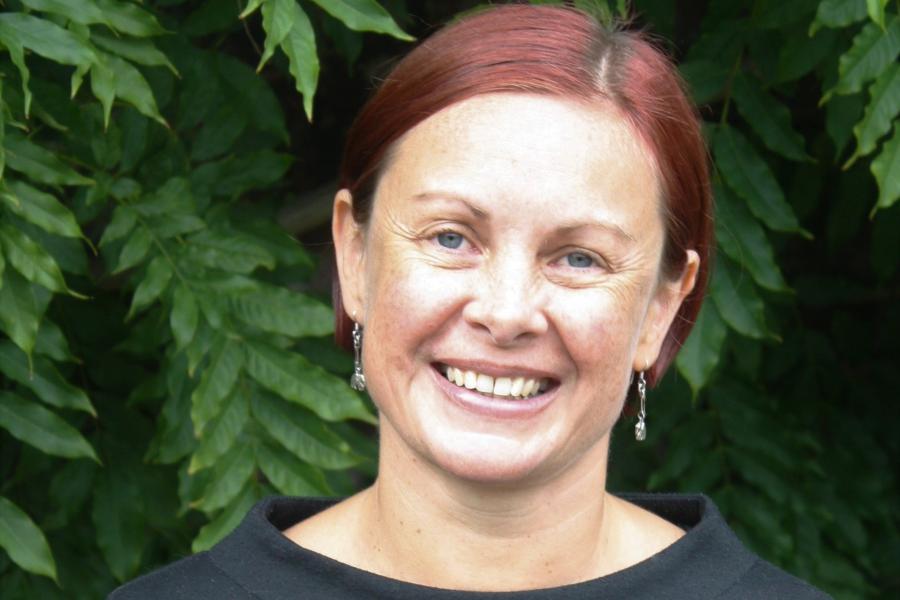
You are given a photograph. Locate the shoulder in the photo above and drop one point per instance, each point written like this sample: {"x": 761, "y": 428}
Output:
{"x": 195, "y": 578}
{"x": 765, "y": 580}
{"x": 709, "y": 561}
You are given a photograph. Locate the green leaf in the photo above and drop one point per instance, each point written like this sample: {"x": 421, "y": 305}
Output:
{"x": 742, "y": 238}
{"x": 801, "y": 54}
{"x": 45, "y": 38}
{"x": 199, "y": 346}
{"x": 278, "y": 310}
{"x": 173, "y": 225}
{"x": 736, "y": 299}
{"x": 129, "y": 18}
{"x": 838, "y": 13}
{"x": 700, "y": 354}
{"x": 841, "y": 113}
{"x": 884, "y": 105}
{"x": 289, "y": 27}
{"x": 769, "y": 118}
{"x": 225, "y": 364}
{"x": 875, "y": 8}
{"x": 705, "y": 78}
{"x": 17, "y": 56}
{"x": 252, "y": 6}
{"x": 246, "y": 89}
{"x": 873, "y": 50}
{"x": 21, "y": 308}
{"x": 228, "y": 477}
{"x": 140, "y": 51}
{"x": 184, "y": 316}
{"x": 363, "y": 15}
{"x": 173, "y": 197}
{"x": 42, "y": 209}
{"x": 226, "y": 521}
{"x": 123, "y": 220}
{"x": 760, "y": 476}
{"x": 31, "y": 260}
{"x": 52, "y": 343}
{"x": 748, "y": 174}
{"x": 103, "y": 86}
{"x": 174, "y": 437}
{"x": 39, "y": 164}
{"x": 135, "y": 249}
{"x": 278, "y": 20}
{"x": 235, "y": 175}
{"x": 290, "y": 475}
{"x": 219, "y": 435}
{"x": 153, "y": 284}
{"x": 42, "y": 378}
{"x": 302, "y": 433}
{"x": 293, "y": 377}
{"x": 24, "y": 541}
{"x": 886, "y": 169}
{"x": 3, "y": 109}
{"x": 121, "y": 532}
{"x": 228, "y": 250}
{"x": 33, "y": 424}
{"x": 131, "y": 87}
{"x": 219, "y": 132}
{"x": 85, "y": 12}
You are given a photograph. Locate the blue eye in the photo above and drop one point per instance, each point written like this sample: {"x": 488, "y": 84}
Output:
{"x": 579, "y": 260}
{"x": 450, "y": 239}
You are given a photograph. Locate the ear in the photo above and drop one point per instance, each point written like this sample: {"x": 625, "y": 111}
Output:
{"x": 349, "y": 247}
{"x": 664, "y": 305}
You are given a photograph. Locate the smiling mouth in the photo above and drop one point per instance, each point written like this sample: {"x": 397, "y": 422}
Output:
{"x": 508, "y": 388}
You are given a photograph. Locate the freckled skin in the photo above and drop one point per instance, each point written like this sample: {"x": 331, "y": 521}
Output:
{"x": 538, "y": 171}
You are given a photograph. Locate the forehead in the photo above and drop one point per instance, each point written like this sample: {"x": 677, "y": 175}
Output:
{"x": 527, "y": 147}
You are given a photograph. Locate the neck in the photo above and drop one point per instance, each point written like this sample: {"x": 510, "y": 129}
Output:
{"x": 425, "y": 526}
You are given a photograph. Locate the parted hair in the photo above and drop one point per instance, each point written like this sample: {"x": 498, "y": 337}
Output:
{"x": 562, "y": 52}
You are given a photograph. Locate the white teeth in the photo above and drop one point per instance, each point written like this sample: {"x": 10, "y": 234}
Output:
{"x": 528, "y": 387}
{"x": 517, "y": 387}
{"x": 470, "y": 380}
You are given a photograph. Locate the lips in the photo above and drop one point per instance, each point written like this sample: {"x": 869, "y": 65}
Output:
{"x": 510, "y": 386}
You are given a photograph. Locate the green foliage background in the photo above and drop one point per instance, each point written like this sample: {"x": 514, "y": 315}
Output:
{"x": 165, "y": 353}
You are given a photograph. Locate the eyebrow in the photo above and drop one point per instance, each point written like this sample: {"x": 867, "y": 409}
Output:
{"x": 612, "y": 228}
{"x": 476, "y": 212}
{"x": 570, "y": 227}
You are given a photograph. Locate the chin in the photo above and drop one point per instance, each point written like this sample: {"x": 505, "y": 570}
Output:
{"x": 486, "y": 459}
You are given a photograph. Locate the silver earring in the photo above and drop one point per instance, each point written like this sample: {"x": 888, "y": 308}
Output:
{"x": 640, "y": 428}
{"x": 357, "y": 380}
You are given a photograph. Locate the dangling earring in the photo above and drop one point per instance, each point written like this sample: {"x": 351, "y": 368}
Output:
{"x": 357, "y": 380}
{"x": 640, "y": 428}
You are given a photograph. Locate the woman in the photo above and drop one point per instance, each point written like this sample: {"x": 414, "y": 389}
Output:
{"x": 522, "y": 234}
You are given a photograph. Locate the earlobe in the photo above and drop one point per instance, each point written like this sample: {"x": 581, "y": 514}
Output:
{"x": 349, "y": 250}
{"x": 663, "y": 309}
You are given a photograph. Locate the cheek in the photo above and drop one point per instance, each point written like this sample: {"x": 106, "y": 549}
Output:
{"x": 409, "y": 300}
{"x": 600, "y": 328}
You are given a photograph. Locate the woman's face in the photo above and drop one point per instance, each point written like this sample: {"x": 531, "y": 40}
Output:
{"x": 514, "y": 246}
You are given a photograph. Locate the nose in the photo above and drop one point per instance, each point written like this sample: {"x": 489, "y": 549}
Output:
{"x": 507, "y": 303}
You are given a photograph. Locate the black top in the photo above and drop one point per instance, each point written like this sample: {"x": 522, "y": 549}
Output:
{"x": 257, "y": 562}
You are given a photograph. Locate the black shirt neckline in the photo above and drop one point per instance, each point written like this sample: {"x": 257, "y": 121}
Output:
{"x": 703, "y": 563}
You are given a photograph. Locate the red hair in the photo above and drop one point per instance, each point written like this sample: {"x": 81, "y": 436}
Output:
{"x": 557, "y": 51}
